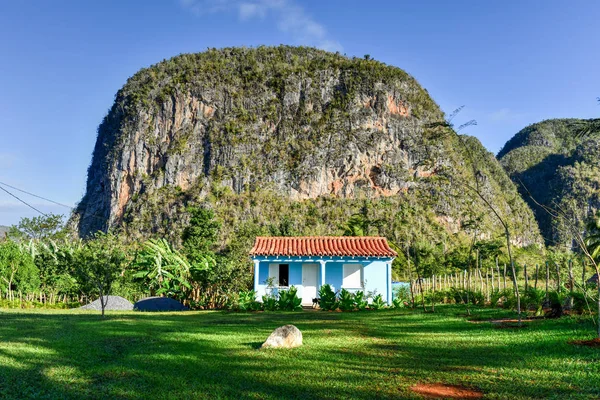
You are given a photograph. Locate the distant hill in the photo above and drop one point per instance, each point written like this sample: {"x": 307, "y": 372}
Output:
{"x": 559, "y": 168}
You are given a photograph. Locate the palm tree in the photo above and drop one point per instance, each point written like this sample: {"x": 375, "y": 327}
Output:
{"x": 360, "y": 224}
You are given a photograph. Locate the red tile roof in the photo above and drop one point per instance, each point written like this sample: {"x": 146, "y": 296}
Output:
{"x": 365, "y": 246}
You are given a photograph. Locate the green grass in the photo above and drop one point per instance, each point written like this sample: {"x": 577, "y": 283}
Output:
{"x": 68, "y": 354}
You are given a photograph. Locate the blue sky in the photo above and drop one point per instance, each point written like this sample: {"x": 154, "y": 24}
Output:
{"x": 511, "y": 63}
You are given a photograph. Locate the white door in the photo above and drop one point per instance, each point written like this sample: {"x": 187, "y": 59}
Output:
{"x": 309, "y": 283}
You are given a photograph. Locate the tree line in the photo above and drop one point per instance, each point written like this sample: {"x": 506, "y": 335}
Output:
{"x": 42, "y": 264}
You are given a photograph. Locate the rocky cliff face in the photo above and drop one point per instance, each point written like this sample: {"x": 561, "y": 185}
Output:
{"x": 300, "y": 124}
{"x": 556, "y": 163}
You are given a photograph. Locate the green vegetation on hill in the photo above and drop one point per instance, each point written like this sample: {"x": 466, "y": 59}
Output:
{"x": 211, "y": 355}
{"x": 559, "y": 167}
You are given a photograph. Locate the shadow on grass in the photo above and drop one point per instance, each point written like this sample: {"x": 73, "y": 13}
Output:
{"x": 346, "y": 355}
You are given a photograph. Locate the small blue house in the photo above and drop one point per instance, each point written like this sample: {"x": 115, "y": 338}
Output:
{"x": 351, "y": 263}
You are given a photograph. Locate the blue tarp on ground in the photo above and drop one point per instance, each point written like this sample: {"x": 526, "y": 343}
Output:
{"x": 159, "y": 304}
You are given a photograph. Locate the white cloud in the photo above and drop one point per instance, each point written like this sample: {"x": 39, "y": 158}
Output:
{"x": 506, "y": 114}
{"x": 290, "y": 18}
{"x": 249, "y": 10}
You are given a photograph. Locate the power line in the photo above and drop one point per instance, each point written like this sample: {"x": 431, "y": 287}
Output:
{"x": 93, "y": 215}
{"x": 24, "y": 202}
{"x": 35, "y": 195}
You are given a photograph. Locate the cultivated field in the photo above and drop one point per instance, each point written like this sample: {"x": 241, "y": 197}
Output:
{"x": 366, "y": 355}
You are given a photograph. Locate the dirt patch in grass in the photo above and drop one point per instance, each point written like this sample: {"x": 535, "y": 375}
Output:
{"x": 443, "y": 391}
{"x": 510, "y": 325}
{"x": 589, "y": 343}
{"x": 504, "y": 323}
{"x": 510, "y": 320}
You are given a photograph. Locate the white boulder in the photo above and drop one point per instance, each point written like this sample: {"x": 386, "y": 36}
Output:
{"x": 287, "y": 336}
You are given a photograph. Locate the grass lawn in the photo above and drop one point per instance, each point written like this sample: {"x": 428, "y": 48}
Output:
{"x": 367, "y": 355}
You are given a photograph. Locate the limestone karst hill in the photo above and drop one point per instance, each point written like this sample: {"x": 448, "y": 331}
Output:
{"x": 287, "y": 140}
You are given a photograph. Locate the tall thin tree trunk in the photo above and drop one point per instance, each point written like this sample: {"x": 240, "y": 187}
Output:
{"x": 422, "y": 294}
{"x": 498, "y": 271}
{"x": 433, "y": 294}
{"x": 102, "y": 302}
{"x": 598, "y": 290}
{"x": 571, "y": 278}
{"x": 557, "y": 277}
{"x": 526, "y": 277}
{"x": 504, "y": 276}
{"x": 479, "y": 269}
{"x": 412, "y": 291}
{"x": 572, "y": 284}
{"x": 487, "y": 285}
{"x": 547, "y": 278}
{"x": 469, "y": 288}
{"x": 515, "y": 283}
{"x": 536, "y": 276}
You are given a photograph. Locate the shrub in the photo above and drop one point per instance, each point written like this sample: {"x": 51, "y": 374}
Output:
{"x": 403, "y": 294}
{"x": 476, "y": 297}
{"x": 580, "y": 303}
{"x": 398, "y": 303}
{"x": 244, "y": 301}
{"x": 360, "y": 300}
{"x": 270, "y": 302}
{"x": 289, "y": 300}
{"x": 436, "y": 297}
{"x": 557, "y": 301}
{"x": 327, "y": 298}
{"x": 377, "y": 303}
{"x": 533, "y": 299}
{"x": 510, "y": 300}
{"x": 347, "y": 301}
{"x": 496, "y": 296}
{"x": 460, "y": 296}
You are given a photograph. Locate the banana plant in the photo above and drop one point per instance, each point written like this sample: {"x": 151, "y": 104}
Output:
{"x": 166, "y": 271}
